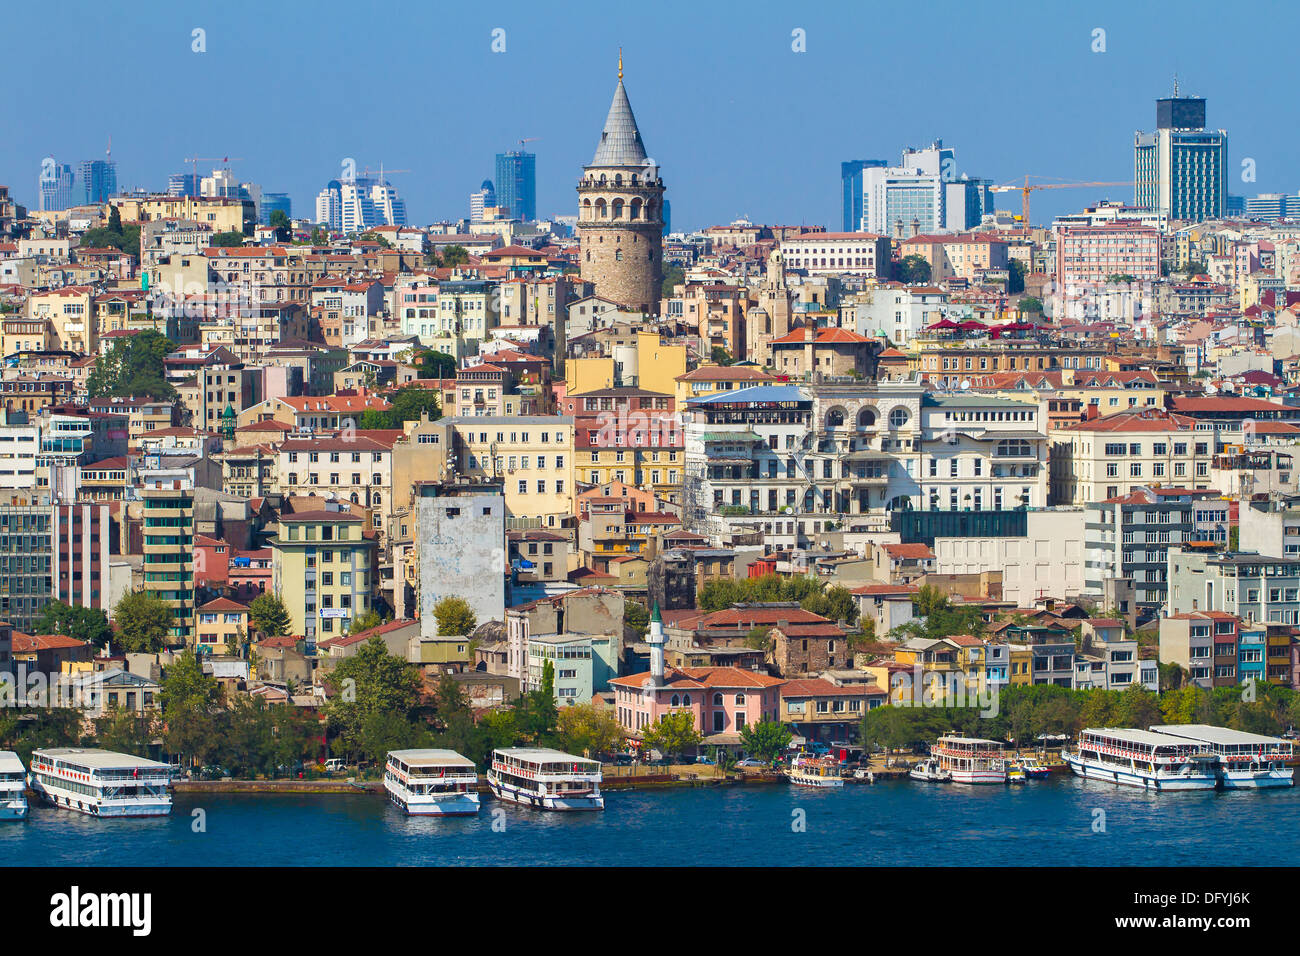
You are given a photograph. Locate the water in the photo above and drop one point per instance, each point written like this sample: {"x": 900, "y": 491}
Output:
{"x": 1042, "y": 823}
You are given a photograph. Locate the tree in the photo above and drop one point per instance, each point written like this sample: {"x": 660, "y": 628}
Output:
{"x": 636, "y": 618}
{"x": 189, "y": 698}
{"x": 434, "y": 364}
{"x": 673, "y": 733}
{"x": 133, "y": 367}
{"x": 79, "y": 623}
{"x": 144, "y": 623}
{"x": 370, "y": 682}
{"x": 1138, "y": 707}
{"x": 454, "y": 616}
{"x": 536, "y": 714}
{"x": 279, "y": 221}
{"x": 268, "y": 614}
{"x": 223, "y": 239}
{"x": 757, "y": 639}
{"x": 124, "y": 731}
{"x": 1016, "y": 270}
{"x": 720, "y": 356}
{"x": 114, "y": 235}
{"x": 1030, "y": 304}
{"x": 766, "y": 739}
{"x": 588, "y": 730}
{"x": 913, "y": 270}
{"x": 408, "y": 404}
{"x": 365, "y": 622}
{"x": 673, "y": 276}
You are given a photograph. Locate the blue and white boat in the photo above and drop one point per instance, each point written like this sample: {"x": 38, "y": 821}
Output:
{"x": 432, "y": 783}
{"x": 546, "y": 779}
{"x": 13, "y": 787}
{"x": 1246, "y": 761}
{"x": 1140, "y": 758}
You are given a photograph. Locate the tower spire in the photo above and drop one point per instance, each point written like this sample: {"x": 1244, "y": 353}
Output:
{"x": 620, "y": 63}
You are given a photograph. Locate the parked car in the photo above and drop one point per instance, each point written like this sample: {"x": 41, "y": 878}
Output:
{"x": 334, "y": 765}
{"x": 750, "y": 762}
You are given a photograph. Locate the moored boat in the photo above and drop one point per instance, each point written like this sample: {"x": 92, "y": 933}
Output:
{"x": 815, "y": 772}
{"x": 971, "y": 759}
{"x": 546, "y": 779}
{"x": 13, "y": 787}
{"x": 1034, "y": 768}
{"x": 102, "y": 783}
{"x": 1246, "y": 761}
{"x": 929, "y": 769}
{"x": 432, "y": 782}
{"x": 1016, "y": 773}
{"x": 1140, "y": 758}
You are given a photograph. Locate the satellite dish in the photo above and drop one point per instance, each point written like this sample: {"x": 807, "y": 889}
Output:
{"x": 965, "y": 384}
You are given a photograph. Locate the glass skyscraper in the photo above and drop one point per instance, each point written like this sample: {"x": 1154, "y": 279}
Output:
{"x": 1180, "y": 170}
{"x": 516, "y": 184}
{"x": 98, "y": 180}
{"x": 851, "y": 189}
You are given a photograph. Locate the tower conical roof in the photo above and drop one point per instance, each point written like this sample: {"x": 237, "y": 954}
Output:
{"x": 620, "y": 140}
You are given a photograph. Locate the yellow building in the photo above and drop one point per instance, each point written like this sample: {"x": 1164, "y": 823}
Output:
{"x": 71, "y": 314}
{"x": 588, "y": 374}
{"x": 222, "y": 214}
{"x": 658, "y": 365}
{"x": 532, "y": 455}
{"x": 323, "y": 566}
{"x": 221, "y": 625}
{"x": 1022, "y": 664}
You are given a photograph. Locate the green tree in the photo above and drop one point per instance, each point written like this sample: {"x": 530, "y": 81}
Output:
{"x": 144, "y": 623}
{"x": 189, "y": 702}
{"x": 673, "y": 733}
{"x": 636, "y": 618}
{"x": 536, "y": 714}
{"x": 370, "y": 682}
{"x": 673, "y": 277}
{"x": 226, "y": 239}
{"x": 268, "y": 614}
{"x": 408, "y": 404}
{"x": 133, "y": 367}
{"x": 588, "y": 730}
{"x": 766, "y": 739}
{"x": 77, "y": 622}
{"x": 720, "y": 356}
{"x": 1137, "y": 707}
{"x": 279, "y": 221}
{"x": 365, "y": 622}
{"x": 1016, "y": 271}
{"x": 758, "y": 638}
{"x": 913, "y": 270}
{"x": 454, "y": 616}
{"x": 434, "y": 364}
{"x": 1030, "y": 304}
{"x": 124, "y": 731}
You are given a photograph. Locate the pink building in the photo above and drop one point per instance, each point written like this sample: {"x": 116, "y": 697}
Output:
{"x": 1092, "y": 254}
{"x": 721, "y": 699}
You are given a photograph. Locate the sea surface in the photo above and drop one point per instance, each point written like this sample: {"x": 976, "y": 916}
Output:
{"x": 1060, "y": 821}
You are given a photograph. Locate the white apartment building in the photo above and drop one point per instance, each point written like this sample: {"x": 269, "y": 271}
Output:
{"x": 1107, "y": 457}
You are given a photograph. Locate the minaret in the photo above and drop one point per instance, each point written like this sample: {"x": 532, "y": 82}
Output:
{"x": 620, "y": 213}
{"x": 656, "y": 641}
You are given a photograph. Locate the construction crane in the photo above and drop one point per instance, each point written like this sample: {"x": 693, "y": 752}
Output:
{"x": 224, "y": 160}
{"x": 527, "y": 139}
{"x": 366, "y": 171}
{"x": 1028, "y": 187}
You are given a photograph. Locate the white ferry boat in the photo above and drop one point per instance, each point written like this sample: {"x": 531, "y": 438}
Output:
{"x": 1245, "y": 760}
{"x": 436, "y": 782}
{"x": 102, "y": 783}
{"x": 545, "y": 778}
{"x": 929, "y": 769}
{"x": 815, "y": 772}
{"x": 971, "y": 759}
{"x": 13, "y": 787}
{"x": 1140, "y": 758}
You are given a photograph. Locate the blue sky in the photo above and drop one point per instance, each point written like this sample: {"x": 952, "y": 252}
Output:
{"x": 739, "y": 123}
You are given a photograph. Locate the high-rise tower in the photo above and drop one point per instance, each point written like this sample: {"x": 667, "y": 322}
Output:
{"x": 620, "y": 213}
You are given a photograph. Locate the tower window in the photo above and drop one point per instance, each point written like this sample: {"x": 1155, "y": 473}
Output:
{"x": 618, "y": 255}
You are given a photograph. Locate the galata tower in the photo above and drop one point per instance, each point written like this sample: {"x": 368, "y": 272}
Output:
{"x": 620, "y": 213}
